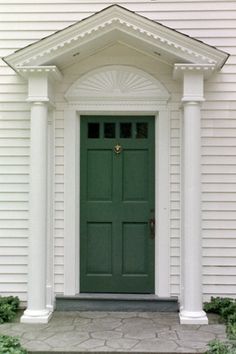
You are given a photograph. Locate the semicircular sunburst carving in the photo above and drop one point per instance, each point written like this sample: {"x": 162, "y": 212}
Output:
{"x": 117, "y": 81}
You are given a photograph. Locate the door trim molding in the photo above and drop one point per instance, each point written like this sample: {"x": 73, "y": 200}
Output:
{"x": 72, "y": 198}
{"x": 151, "y": 100}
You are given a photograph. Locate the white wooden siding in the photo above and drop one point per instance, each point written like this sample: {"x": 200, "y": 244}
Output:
{"x": 212, "y": 21}
{"x": 14, "y": 188}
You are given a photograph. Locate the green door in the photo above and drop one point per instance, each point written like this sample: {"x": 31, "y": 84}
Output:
{"x": 117, "y": 203}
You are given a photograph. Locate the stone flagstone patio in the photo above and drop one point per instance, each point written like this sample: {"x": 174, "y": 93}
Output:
{"x": 96, "y": 332}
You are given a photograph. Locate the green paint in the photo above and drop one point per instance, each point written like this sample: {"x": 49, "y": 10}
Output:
{"x": 117, "y": 201}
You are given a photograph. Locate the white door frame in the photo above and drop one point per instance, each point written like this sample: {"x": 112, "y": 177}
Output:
{"x": 72, "y": 198}
{"x": 124, "y": 97}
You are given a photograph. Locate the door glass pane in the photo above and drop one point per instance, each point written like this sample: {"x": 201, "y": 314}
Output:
{"x": 141, "y": 130}
{"x": 109, "y": 130}
{"x": 125, "y": 130}
{"x": 93, "y": 130}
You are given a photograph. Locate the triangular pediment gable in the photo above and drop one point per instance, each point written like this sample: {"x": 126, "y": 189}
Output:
{"x": 116, "y": 23}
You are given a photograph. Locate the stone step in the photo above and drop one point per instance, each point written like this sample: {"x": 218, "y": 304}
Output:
{"x": 116, "y": 302}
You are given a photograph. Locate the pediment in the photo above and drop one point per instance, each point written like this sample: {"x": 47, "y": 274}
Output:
{"x": 113, "y": 24}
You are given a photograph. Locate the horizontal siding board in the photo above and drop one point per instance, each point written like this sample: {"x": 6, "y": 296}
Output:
{"x": 16, "y": 260}
{"x": 219, "y": 215}
{"x": 14, "y": 188}
{"x": 25, "y": 34}
{"x": 219, "y": 187}
{"x": 17, "y": 169}
{"x": 220, "y": 289}
{"x": 214, "y": 206}
{"x": 11, "y": 287}
{"x": 223, "y": 243}
{"x": 220, "y": 281}
{"x": 14, "y": 278}
{"x": 42, "y": 26}
{"x": 149, "y": 6}
{"x": 14, "y": 151}
{"x": 19, "y": 269}
{"x": 13, "y": 214}
{"x": 14, "y": 251}
{"x": 14, "y": 160}
{"x": 10, "y": 142}
{"x": 161, "y": 16}
{"x": 219, "y": 252}
{"x": 89, "y": 2}
{"x": 214, "y": 270}
{"x": 218, "y": 233}
{"x": 219, "y": 261}
{"x": 13, "y": 206}
{"x": 19, "y": 114}
{"x": 218, "y": 151}
{"x": 13, "y": 89}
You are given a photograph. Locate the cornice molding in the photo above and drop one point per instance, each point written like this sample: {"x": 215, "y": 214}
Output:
{"x": 117, "y": 23}
{"x": 117, "y": 18}
{"x": 205, "y": 69}
{"x": 51, "y": 71}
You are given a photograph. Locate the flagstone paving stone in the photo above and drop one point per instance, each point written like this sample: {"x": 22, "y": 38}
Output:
{"x": 97, "y": 332}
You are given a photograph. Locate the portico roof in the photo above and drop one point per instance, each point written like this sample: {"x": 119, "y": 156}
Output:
{"x": 111, "y": 25}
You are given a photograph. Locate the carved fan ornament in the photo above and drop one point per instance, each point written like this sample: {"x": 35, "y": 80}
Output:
{"x": 119, "y": 82}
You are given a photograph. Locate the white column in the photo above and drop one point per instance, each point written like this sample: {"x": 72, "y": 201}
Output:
{"x": 36, "y": 311}
{"x": 192, "y": 312}
{"x": 41, "y": 83}
{"x": 193, "y": 94}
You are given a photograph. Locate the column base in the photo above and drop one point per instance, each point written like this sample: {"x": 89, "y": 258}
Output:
{"x": 31, "y": 316}
{"x": 193, "y": 317}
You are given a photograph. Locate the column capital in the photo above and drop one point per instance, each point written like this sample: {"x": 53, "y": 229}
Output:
{"x": 41, "y": 81}
{"x": 193, "y": 76}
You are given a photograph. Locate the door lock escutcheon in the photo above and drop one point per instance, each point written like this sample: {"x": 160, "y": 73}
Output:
{"x": 152, "y": 228}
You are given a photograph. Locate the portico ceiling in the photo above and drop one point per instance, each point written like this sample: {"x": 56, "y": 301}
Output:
{"x": 111, "y": 25}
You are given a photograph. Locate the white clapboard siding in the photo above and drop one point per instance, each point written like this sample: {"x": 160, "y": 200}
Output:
{"x": 214, "y": 22}
{"x": 14, "y": 188}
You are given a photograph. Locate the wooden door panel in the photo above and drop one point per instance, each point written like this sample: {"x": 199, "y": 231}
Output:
{"x": 135, "y": 175}
{"x": 117, "y": 196}
{"x": 135, "y": 249}
{"x": 99, "y": 175}
{"x": 99, "y": 248}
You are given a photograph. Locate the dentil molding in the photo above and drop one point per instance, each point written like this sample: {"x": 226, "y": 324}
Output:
{"x": 122, "y": 21}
